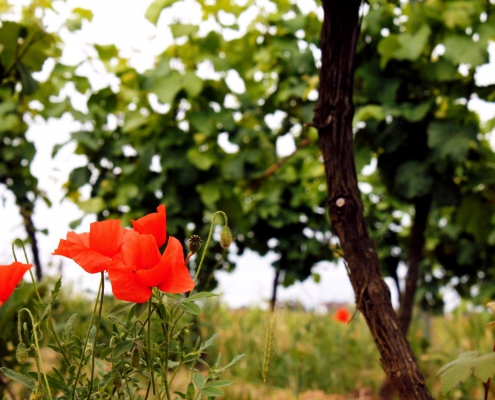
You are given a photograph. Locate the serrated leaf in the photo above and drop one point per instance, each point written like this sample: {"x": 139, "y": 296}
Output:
{"x": 484, "y": 367}
{"x": 456, "y": 371}
{"x": 69, "y": 327}
{"x": 18, "y": 377}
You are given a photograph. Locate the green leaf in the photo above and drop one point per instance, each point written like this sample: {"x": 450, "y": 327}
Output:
{"x": 18, "y": 377}
{"x": 234, "y": 360}
{"x": 179, "y": 30}
{"x": 190, "y": 391}
{"x": 166, "y": 88}
{"x": 119, "y": 307}
{"x": 29, "y": 84}
{"x": 199, "y": 380}
{"x": 370, "y": 111}
{"x": 191, "y": 308}
{"x": 461, "y": 49}
{"x": 83, "y": 13}
{"x": 202, "y": 160}
{"x": 404, "y": 46}
{"x": 199, "y": 296}
{"x": 69, "y": 327}
{"x": 211, "y": 391}
{"x": 133, "y": 122}
{"x": 155, "y": 8}
{"x": 107, "y": 52}
{"x": 93, "y": 205}
{"x": 193, "y": 84}
{"x": 210, "y": 193}
{"x": 140, "y": 308}
{"x": 219, "y": 383}
{"x": 209, "y": 342}
{"x": 412, "y": 179}
{"x": 121, "y": 348}
{"x": 457, "y": 371}
{"x": 484, "y": 367}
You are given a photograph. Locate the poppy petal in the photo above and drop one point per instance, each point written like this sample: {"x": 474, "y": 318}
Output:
{"x": 125, "y": 286}
{"x": 153, "y": 224}
{"x": 139, "y": 252}
{"x": 177, "y": 276}
{"x": 11, "y": 275}
{"x": 90, "y": 260}
{"x": 105, "y": 237}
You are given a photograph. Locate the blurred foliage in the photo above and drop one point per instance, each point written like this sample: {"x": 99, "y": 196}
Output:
{"x": 159, "y": 137}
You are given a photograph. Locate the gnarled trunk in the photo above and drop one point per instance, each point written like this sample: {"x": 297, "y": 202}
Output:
{"x": 333, "y": 118}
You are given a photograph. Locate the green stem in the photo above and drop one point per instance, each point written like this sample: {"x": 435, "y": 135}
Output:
{"x": 61, "y": 348}
{"x": 226, "y": 222}
{"x": 150, "y": 357}
{"x": 86, "y": 343}
{"x": 36, "y": 344}
{"x": 27, "y": 262}
{"x": 175, "y": 372}
{"x": 126, "y": 380}
{"x": 93, "y": 355}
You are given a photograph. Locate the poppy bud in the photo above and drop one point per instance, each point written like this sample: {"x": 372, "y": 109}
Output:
{"x": 22, "y": 354}
{"x": 113, "y": 341}
{"x": 226, "y": 237}
{"x": 135, "y": 358}
{"x": 89, "y": 349}
{"x": 195, "y": 243}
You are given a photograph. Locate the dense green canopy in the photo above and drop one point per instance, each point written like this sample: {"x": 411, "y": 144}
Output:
{"x": 416, "y": 67}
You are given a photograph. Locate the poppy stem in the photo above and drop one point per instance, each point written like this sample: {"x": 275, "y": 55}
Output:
{"x": 81, "y": 362}
{"x": 37, "y": 346}
{"x": 226, "y": 223}
{"x": 27, "y": 262}
{"x": 150, "y": 357}
{"x": 93, "y": 355}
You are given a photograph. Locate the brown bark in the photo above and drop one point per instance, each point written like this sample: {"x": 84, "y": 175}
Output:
{"x": 26, "y": 214}
{"x": 414, "y": 257}
{"x": 333, "y": 118}
{"x": 273, "y": 300}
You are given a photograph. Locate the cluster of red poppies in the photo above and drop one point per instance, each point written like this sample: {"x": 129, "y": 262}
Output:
{"x": 130, "y": 256}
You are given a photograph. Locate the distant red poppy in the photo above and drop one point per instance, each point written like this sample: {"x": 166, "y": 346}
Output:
{"x": 94, "y": 250}
{"x": 153, "y": 224}
{"x": 10, "y": 276}
{"x": 342, "y": 315}
{"x": 139, "y": 267}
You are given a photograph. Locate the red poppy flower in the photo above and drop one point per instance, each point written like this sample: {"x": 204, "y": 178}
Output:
{"x": 95, "y": 249}
{"x": 342, "y": 315}
{"x": 139, "y": 267}
{"x": 153, "y": 224}
{"x": 10, "y": 276}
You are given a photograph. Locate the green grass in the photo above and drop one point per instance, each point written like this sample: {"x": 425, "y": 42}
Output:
{"x": 315, "y": 357}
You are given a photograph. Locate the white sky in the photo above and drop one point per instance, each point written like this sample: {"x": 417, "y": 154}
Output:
{"x": 122, "y": 23}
